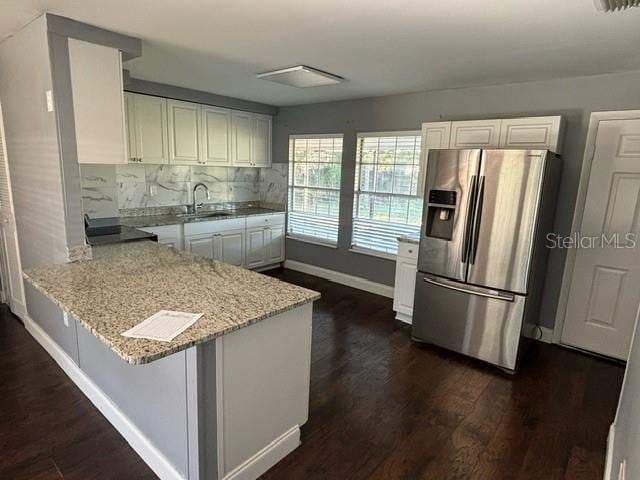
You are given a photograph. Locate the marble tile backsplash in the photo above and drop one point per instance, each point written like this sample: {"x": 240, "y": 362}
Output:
{"x": 108, "y": 188}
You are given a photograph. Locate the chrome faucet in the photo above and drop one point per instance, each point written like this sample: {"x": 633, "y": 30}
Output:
{"x": 196, "y": 205}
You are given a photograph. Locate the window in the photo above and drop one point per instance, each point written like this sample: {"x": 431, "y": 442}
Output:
{"x": 386, "y": 204}
{"x": 314, "y": 187}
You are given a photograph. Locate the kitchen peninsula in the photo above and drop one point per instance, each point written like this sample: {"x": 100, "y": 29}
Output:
{"x": 224, "y": 399}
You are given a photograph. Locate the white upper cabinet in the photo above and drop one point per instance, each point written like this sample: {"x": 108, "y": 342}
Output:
{"x": 475, "y": 134}
{"x": 98, "y": 103}
{"x": 216, "y": 136}
{"x": 434, "y": 135}
{"x": 533, "y": 132}
{"x": 184, "y": 132}
{"x": 241, "y": 132}
{"x": 261, "y": 145}
{"x": 147, "y": 127}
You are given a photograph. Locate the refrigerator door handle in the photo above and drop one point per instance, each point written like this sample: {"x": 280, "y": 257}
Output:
{"x": 478, "y": 218}
{"x": 469, "y": 221}
{"x": 498, "y": 296}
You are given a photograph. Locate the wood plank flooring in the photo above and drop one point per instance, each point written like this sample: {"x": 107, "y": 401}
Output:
{"x": 380, "y": 408}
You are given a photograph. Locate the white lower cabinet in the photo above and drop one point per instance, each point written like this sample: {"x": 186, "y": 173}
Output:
{"x": 254, "y": 242}
{"x": 405, "y": 282}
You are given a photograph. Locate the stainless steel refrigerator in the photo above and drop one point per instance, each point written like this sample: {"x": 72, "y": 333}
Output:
{"x": 482, "y": 257}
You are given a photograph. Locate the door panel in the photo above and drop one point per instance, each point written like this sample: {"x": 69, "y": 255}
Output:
{"x": 603, "y": 298}
{"x": 231, "y": 247}
{"x": 255, "y": 247}
{"x": 449, "y": 171}
{"x": 275, "y": 247}
{"x": 200, "y": 246}
{"x": 184, "y": 142}
{"x": 484, "y": 327}
{"x": 151, "y": 129}
{"x": 261, "y": 141}
{"x": 475, "y": 134}
{"x": 241, "y": 128}
{"x": 510, "y": 186}
{"x": 216, "y": 135}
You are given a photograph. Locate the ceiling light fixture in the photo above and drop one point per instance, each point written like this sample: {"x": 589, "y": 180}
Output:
{"x": 605, "y": 6}
{"x": 302, "y": 76}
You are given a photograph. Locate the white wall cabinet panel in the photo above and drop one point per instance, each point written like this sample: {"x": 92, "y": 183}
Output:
{"x": 130, "y": 125}
{"x": 184, "y": 132}
{"x": 434, "y": 135}
{"x": 533, "y": 132}
{"x": 216, "y": 136}
{"x": 98, "y": 103}
{"x": 475, "y": 134}
{"x": 261, "y": 141}
{"x": 151, "y": 130}
{"x": 241, "y": 133}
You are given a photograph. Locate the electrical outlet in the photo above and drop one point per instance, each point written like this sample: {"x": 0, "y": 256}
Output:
{"x": 622, "y": 473}
{"x": 65, "y": 318}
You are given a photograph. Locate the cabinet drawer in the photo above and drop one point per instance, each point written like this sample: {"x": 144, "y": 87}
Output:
{"x": 408, "y": 250}
{"x": 214, "y": 226}
{"x": 265, "y": 220}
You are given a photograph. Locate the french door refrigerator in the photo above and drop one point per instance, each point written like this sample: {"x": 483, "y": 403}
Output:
{"x": 482, "y": 256}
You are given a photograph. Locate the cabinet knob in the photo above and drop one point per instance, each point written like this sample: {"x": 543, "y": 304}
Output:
{"x": 410, "y": 250}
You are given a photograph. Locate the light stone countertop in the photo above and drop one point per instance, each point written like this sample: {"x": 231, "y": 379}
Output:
{"x": 172, "y": 219}
{"x": 126, "y": 283}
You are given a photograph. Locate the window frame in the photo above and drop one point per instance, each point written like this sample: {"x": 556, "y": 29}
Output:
{"x": 290, "y": 186}
{"x": 418, "y": 164}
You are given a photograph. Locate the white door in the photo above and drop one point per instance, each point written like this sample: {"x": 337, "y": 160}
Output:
{"x": 184, "y": 142}
{"x": 604, "y": 295}
{"x": 230, "y": 247}
{"x": 261, "y": 145}
{"x": 203, "y": 246}
{"x": 275, "y": 244}
{"x": 10, "y": 251}
{"x": 255, "y": 251}
{"x": 216, "y": 135}
{"x": 151, "y": 129}
{"x": 241, "y": 133}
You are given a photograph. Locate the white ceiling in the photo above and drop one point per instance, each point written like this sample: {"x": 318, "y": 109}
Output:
{"x": 380, "y": 46}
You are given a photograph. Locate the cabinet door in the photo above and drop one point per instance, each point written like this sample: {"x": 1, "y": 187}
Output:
{"x": 151, "y": 129}
{"x": 532, "y": 132}
{"x": 130, "y": 123}
{"x": 98, "y": 103}
{"x": 475, "y": 134}
{"x": 275, "y": 244}
{"x": 405, "y": 285}
{"x": 434, "y": 135}
{"x": 241, "y": 133}
{"x": 184, "y": 145}
{"x": 256, "y": 251}
{"x": 216, "y": 135}
{"x": 203, "y": 246}
{"x": 261, "y": 146}
{"x": 230, "y": 247}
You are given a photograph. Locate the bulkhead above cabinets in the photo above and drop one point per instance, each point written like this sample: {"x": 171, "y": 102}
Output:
{"x": 167, "y": 131}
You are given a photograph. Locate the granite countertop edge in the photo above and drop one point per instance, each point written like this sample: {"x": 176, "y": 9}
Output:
{"x": 144, "y": 221}
{"x": 144, "y": 359}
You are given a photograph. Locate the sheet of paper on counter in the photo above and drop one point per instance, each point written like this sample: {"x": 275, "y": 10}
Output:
{"x": 163, "y": 326}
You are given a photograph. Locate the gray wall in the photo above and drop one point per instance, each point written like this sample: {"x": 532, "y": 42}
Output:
{"x": 574, "y": 98}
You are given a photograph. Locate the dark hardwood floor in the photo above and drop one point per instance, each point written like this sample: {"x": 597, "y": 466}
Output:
{"x": 380, "y": 408}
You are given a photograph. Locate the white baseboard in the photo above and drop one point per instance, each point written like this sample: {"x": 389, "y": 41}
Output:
{"x": 138, "y": 441}
{"x": 266, "y": 458}
{"x": 341, "y": 278}
{"x": 403, "y": 317}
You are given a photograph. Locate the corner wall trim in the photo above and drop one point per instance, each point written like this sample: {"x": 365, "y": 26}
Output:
{"x": 341, "y": 278}
{"x": 138, "y": 441}
{"x": 608, "y": 465}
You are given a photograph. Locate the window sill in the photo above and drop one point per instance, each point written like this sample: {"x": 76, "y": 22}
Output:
{"x": 373, "y": 253}
{"x": 312, "y": 241}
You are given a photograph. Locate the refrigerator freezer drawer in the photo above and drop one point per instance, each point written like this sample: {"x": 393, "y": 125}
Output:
{"x": 484, "y": 324}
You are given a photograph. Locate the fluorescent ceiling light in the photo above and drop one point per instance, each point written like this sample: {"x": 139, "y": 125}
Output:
{"x": 301, "y": 76}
